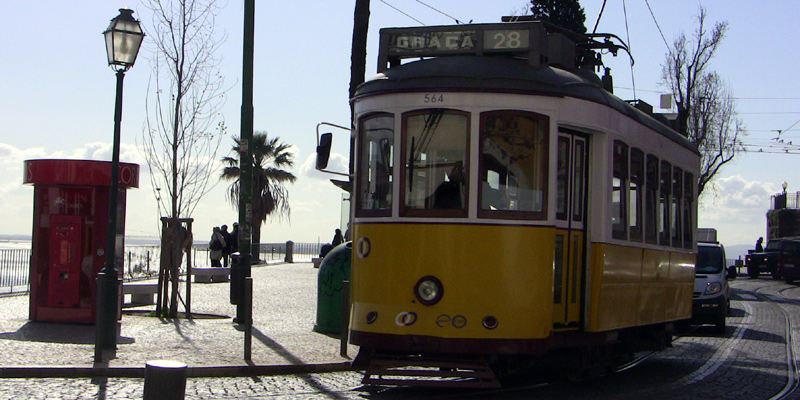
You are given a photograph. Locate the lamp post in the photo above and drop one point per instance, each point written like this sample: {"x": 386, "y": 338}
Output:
{"x": 123, "y": 38}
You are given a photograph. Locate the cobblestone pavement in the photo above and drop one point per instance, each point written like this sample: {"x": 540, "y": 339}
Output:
{"x": 748, "y": 362}
{"x": 284, "y": 304}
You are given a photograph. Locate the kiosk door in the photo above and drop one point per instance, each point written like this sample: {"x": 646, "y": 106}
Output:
{"x": 64, "y": 261}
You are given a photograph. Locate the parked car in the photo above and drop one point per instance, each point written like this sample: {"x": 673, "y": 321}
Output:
{"x": 781, "y": 259}
{"x": 711, "y": 297}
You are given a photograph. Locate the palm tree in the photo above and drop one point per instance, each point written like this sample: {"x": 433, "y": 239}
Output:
{"x": 270, "y": 159}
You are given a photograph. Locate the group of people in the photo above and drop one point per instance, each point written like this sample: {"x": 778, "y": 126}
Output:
{"x": 223, "y": 244}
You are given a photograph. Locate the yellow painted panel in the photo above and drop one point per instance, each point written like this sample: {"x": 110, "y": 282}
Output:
{"x": 614, "y": 292}
{"x": 503, "y": 271}
{"x": 630, "y": 286}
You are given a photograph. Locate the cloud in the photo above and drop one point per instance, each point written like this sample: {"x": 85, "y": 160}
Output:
{"x": 336, "y": 162}
{"x": 737, "y": 207}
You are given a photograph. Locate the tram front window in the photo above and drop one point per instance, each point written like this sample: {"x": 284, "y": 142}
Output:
{"x": 376, "y": 138}
{"x": 513, "y": 165}
{"x": 436, "y": 167}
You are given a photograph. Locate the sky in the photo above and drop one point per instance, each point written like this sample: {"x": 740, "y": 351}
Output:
{"x": 58, "y": 95}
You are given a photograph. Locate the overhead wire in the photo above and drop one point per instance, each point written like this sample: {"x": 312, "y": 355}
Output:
{"x": 402, "y": 12}
{"x": 439, "y": 11}
{"x": 657, "y": 25}
{"x": 630, "y": 47}
{"x": 600, "y": 15}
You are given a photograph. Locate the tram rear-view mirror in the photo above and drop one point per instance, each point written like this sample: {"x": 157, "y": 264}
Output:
{"x": 324, "y": 150}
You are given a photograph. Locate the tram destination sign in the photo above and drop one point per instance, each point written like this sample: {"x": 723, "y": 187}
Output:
{"x": 450, "y": 40}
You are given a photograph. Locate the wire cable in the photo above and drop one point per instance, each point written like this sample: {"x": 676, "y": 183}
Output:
{"x": 628, "y": 38}
{"x": 600, "y": 15}
{"x": 439, "y": 11}
{"x": 402, "y": 12}
{"x": 658, "y": 26}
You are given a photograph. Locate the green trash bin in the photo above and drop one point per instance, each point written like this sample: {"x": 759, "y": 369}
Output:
{"x": 333, "y": 271}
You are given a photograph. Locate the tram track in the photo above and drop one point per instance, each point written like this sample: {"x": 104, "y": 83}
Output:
{"x": 792, "y": 348}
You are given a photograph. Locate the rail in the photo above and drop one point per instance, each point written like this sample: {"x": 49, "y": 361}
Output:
{"x": 142, "y": 261}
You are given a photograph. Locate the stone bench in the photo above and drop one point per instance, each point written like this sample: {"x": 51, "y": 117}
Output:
{"x": 142, "y": 293}
{"x": 211, "y": 274}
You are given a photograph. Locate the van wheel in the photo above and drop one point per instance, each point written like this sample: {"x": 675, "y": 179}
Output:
{"x": 752, "y": 273}
{"x": 775, "y": 275}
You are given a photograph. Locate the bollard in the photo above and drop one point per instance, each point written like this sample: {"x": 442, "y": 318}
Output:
{"x": 236, "y": 278}
{"x": 164, "y": 380}
{"x": 289, "y": 250}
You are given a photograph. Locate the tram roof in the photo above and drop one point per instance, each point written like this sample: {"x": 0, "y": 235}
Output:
{"x": 506, "y": 75}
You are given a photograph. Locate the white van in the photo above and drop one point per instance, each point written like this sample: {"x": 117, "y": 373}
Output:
{"x": 711, "y": 297}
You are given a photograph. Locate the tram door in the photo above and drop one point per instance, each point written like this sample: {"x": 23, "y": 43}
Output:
{"x": 569, "y": 261}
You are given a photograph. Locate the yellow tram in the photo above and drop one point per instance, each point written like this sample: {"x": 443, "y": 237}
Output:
{"x": 508, "y": 208}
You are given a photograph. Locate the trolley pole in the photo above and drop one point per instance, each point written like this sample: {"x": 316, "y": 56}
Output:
{"x": 243, "y": 314}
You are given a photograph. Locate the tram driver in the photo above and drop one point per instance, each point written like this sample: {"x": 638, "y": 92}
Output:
{"x": 449, "y": 193}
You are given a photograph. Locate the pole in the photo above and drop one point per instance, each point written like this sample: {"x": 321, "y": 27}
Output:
{"x": 108, "y": 291}
{"x": 243, "y": 309}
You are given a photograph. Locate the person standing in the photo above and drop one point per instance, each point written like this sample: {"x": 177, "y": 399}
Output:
{"x": 337, "y": 238}
{"x": 226, "y": 250}
{"x": 215, "y": 247}
{"x": 759, "y": 245}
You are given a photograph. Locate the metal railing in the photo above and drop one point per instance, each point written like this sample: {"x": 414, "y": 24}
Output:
{"x": 141, "y": 262}
{"x": 14, "y": 266}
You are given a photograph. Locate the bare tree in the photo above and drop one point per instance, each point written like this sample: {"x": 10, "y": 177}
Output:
{"x": 706, "y": 111}
{"x": 184, "y": 127}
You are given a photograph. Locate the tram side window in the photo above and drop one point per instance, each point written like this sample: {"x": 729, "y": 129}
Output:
{"x": 688, "y": 206}
{"x": 665, "y": 183}
{"x": 636, "y": 195}
{"x": 619, "y": 181}
{"x": 651, "y": 196}
{"x": 513, "y": 165}
{"x": 436, "y": 171}
{"x": 376, "y": 138}
{"x": 676, "y": 214}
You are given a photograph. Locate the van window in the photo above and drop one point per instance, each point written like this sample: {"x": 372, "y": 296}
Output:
{"x": 709, "y": 260}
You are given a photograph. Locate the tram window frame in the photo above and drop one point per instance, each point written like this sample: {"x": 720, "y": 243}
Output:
{"x": 619, "y": 183}
{"x": 664, "y": 193}
{"x": 405, "y": 209}
{"x": 542, "y": 126}
{"x": 563, "y": 160}
{"x": 636, "y": 195}
{"x": 651, "y": 199}
{"x": 364, "y": 167}
{"x": 688, "y": 207}
{"x": 675, "y": 212}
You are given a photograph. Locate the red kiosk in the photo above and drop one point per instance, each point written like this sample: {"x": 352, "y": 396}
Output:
{"x": 70, "y": 222}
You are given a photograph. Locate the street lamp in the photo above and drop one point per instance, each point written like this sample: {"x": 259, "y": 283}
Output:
{"x": 123, "y": 38}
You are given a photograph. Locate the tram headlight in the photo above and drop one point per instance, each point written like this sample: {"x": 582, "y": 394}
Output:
{"x": 713, "y": 288}
{"x": 429, "y": 290}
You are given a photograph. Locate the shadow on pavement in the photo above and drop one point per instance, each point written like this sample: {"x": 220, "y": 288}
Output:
{"x": 57, "y": 333}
